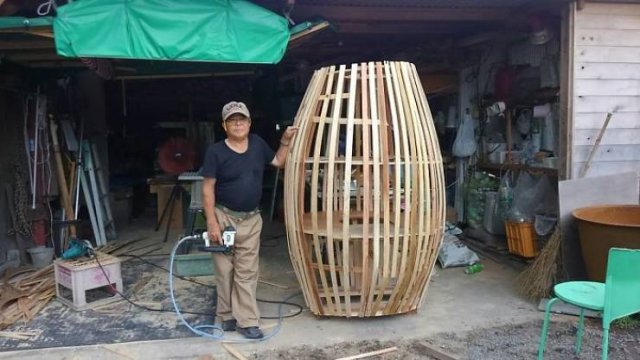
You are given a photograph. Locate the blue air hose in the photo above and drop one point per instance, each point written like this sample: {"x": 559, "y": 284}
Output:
{"x": 216, "y": 331}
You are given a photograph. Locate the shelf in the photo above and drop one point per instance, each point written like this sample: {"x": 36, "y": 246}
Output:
{"x": 497, "y": 167}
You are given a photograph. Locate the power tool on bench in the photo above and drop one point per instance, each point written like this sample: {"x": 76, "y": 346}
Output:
{"x": 78, "y": 248}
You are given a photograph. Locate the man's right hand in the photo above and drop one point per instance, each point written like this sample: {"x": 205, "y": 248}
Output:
{"x": 215, "y": 233}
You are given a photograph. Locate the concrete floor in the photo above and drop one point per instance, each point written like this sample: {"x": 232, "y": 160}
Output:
{"x": 455, "y": 302}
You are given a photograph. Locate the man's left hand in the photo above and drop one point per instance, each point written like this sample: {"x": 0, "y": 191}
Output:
{"x": 289, "y": 133}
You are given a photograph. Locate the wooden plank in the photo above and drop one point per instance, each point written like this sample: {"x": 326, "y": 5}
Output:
{"x": 610, "y": 9}
{"x": 405, "y": 185}
{"x": 307, "y": 32}
{"x": 331, "y": 151}
{"x": 567, "y": 79}
{"x": 315, "y": 175}
{"x": 375, "y": 154}
{"x": 404, "y": 116}
{"x": 393, "y": 13}
{"x": 435, "y": 200}
{"x": 407, "y": 28}
{"x": 611, "y": 137}
{"x": 422, "y": 263}
{"x": 562, "y": 307}
{"x": 432, "y": 351}
{"x": 367, "y": 273}
{"x": 65, "y": 197}
{"x": 24, "y": 45}
{"x": 599, "y": 37}
{"x": 416, "y": 203}
{"x": 386, "y": 183}
{"x": 608, "y": 152}
{"x": 602, "y": 168}
{"x": 20, "y": 335}
{"x": 630, "y": 120}
{"x": 301, "y": 255}
{"x": 370, "y": 354}
{"x": 397, "y": 150}
{"x": 603, "y": 21}
{"x": 591, "y": 87}
{"x": 279, "y": 286}
{"x": 607, "y": 71}
{"x": 612, "y": 103}
{"x": 234, "y": 352}
{"x": 608, "y": 54}
{"x": 381, "y": 93}
{"x": 346, "y": 196}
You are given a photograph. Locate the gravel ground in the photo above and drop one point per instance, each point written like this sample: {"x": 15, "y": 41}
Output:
{"x": 512, "y": 342}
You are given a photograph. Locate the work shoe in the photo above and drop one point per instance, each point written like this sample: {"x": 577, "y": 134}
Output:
{"x": 229, "y": 325}
{"x": 251, "y": 332}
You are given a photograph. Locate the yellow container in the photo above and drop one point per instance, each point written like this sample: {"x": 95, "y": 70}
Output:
{"x": 521, "y": 238}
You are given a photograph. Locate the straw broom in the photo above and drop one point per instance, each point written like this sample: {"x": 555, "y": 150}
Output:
{"x": 536, "y": 281}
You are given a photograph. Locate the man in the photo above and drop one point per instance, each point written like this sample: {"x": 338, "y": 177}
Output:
{"x": 232, "y": 189}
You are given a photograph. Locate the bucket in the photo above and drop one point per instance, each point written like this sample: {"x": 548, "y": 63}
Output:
{"x": 41, "y": 256}
{"x": 602, "y": 227}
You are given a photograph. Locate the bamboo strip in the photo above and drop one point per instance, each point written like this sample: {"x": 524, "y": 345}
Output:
{"x": 314, "y": 189}
{"x": 370, "y": 354}
{"x": 367, "y": 285}
{"x": 328, "y": 180}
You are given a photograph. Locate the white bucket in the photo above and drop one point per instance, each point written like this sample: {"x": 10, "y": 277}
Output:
{"x": 41, "y": 256}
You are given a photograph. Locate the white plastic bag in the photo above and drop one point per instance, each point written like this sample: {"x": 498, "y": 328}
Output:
{"x": 455, "y": 253}
{"x": 465, "y": 143}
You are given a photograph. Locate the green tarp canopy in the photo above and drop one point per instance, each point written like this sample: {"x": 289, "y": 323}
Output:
{"x": 235, "y": 31}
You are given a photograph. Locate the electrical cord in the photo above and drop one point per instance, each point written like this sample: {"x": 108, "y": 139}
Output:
{"x": 136, "y": 304}
{"x": 217, "y": 333}
{"x": 298, "y": 311}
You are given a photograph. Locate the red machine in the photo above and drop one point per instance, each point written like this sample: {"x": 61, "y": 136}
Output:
{"x": 177, "y": 155}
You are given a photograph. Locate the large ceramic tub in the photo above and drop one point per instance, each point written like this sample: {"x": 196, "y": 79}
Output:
{"x": 603, "y": 227}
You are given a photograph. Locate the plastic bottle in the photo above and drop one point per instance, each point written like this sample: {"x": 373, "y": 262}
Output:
{"x": 474, "y": 268}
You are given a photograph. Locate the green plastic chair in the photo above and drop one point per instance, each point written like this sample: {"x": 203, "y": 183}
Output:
{"x": 618, "y": 297}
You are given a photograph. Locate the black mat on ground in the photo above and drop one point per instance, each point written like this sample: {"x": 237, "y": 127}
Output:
{"x": 60, "y": 325}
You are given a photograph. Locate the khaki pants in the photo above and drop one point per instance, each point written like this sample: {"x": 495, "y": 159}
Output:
{"x": 237, "y": 273}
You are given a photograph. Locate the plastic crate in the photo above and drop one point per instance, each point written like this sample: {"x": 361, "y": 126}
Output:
{"x": 77, "y": 280}
{"x": 521, "y": 238}
{"x": 194, "y": 264}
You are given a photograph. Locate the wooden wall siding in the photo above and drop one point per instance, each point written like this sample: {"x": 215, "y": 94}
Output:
{"x": 607, "y": 79}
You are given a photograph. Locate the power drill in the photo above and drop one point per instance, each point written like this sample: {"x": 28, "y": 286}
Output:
{"x": 228, "y": 240}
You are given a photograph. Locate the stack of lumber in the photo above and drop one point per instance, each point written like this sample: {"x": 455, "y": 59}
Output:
{"x": 23, "y": 293}
{"x": 26, "y": 291}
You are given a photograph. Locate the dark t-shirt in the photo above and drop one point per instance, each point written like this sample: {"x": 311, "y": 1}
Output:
{"x": 238, "y": 176}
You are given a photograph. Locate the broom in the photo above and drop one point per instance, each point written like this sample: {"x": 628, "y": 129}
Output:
{"x": 536, "y": 281}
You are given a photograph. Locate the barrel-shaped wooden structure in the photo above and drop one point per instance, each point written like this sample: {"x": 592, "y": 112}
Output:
{"x": 364, "y": 191}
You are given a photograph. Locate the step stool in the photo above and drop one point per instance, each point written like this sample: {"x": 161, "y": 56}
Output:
{"x": 81, "y": 275}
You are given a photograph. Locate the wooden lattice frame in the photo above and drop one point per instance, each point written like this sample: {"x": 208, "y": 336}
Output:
{"x": 361, "y": 251}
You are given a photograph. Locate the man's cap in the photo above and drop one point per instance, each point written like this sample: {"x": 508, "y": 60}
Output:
{"x": 234, "y": 107}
